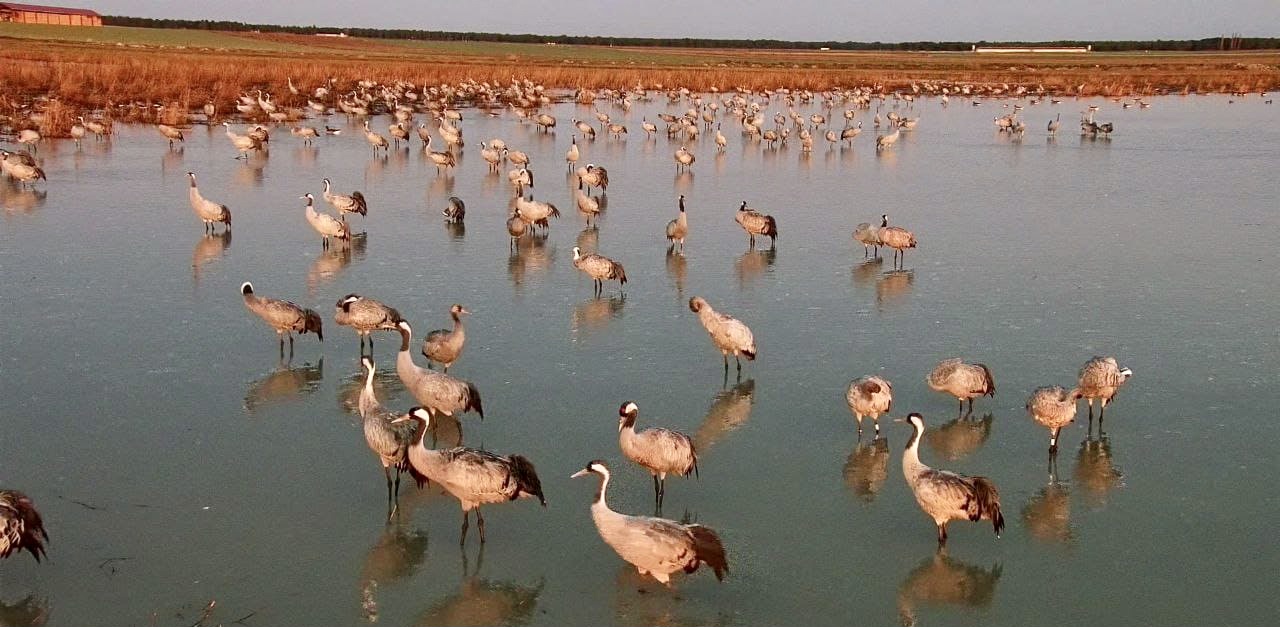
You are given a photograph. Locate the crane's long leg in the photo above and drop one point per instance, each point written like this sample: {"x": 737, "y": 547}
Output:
{"x": 465, "y": 524}
{"x": 480, "y": 523}
{"x": 942, "y": 534}
{"x": 970, "y": 407}
{"x": 657, "y": 493}
{"x": 1053, "y": 443}
{"x": 391, "y": 508}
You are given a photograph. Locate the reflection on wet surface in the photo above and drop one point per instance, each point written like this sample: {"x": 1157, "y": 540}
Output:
{"x": 1032, "y": 258}
{"x": 867, "y": 468}
{"x": 1096, "y": 473}
{"x": 30, "y": 611}
{"x": 943, "y": 581}
{"x": 959, "y": 438}
{"x": 209, "y": 248}
{"x": 596, "y": 314}
{"x": 284, "y": 384}
{"x": 482, "y": 602}
{"x": 730, "y": 409}
{"x": 1047, "y": 516}
{"x": 397, "y": 555}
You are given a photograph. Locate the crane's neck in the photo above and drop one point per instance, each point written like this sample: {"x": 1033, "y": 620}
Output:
{"x": 599, "y": 505}
{"x": 458, "y": 325}
{"x": 911, "y": 464}
{"x": 368, "y": 401}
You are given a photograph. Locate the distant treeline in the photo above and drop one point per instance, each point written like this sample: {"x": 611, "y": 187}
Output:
{"x": 1209, "y": 43}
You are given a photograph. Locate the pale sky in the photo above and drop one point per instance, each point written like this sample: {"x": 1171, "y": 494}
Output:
{"x": 799, "y": 20}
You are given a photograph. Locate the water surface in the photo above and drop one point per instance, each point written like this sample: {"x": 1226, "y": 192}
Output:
{"x": 177, "y": 460}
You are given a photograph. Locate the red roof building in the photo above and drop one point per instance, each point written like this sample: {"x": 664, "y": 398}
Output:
{"x": 37, "y": 14}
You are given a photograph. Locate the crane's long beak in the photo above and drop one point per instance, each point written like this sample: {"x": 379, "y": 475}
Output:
{"x": 580, "y": 473}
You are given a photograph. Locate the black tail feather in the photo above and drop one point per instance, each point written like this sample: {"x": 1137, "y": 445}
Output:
{"x": 526, "y": 478}
{"x": 988, "y": 502}
{"x": 473, "y": 400}
{"x": 709, "y": 550}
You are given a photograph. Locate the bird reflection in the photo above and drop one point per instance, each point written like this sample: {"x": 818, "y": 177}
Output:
{"x": 894, "y": 285}
{"x": 334, "y": 259}
{"x": 867, "y": 468}
{"x": 457, "y": 230}
{"x": 395, "y": 556}
{"x": 1096, "y": 473}
{"x": 959, "y": 438}
{"x": 440, "y": 186}
{"x": 683, "y": 182}
{"x": 941, "y": 580}
{"x": 283, "y": 384}
{"x": 596, "y": 313}
{"x": 531, "y": 255}
{"x": 209, "y": 247}
{"x": 1047, "y": 516}
{"x": 30, "y": 611}
{"x": 751, "y": 264}
{"x": 172, "y": 160}
{"x": 677, "y": 269}
{"x": 15, "y": 198}
{"x": 588, "y": 239}
{"x": 730, "y": 409}
{"x": 252, "y": 170}
{"x": 640, "y": 600}
{"x": 867, "y": 271}
{"x": 485, "y": 602}
{"x": 305, "y": 155}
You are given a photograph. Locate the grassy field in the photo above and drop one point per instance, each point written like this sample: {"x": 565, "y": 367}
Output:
{"x": 91, "y": 68}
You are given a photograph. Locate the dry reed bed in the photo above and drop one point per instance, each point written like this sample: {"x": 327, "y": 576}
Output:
{"x": 83, "y": 77}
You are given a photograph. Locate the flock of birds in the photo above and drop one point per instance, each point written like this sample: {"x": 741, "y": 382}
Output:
{"x": 655, "y": 546}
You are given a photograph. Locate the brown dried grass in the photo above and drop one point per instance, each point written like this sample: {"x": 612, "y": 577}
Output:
{"x": 95, "y": 77}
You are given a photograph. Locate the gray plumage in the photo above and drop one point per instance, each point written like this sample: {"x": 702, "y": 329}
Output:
{"x": 678, "y": 229}
{"x": 472, "y": 476}
{"x": 869, "y": 396}
{"x": 365, "y": 315}
{"x": 599, "y": 268}
{"x": 355, "y": 203}
{"x": 660, "y": 451}
{"x": 1053, "y": 408}
{"x": 756, "y": 223}
{"x": 444, "y": 346}
{"x": 536, "y": 213}
{"x": 324, "y": 224}
{"x": 961, "y": 380}
{"x": 387, "y": 439}
{"x": 456, "y": 211}
{"x": 655, "y": 546}
{"x": 869, "y": 237}
{"x": 21, "y": 167}
{"x": 21, "y": 527}
{"x": 593, "y": 175}
{"x": 170, "y": 133}
{"x": 208, "y": 211}
{"x": 587, "y": 206}
{"x": 895, "y": 237}
{"x": 946, "y": 496}
{"x": 282, "y": 315}
{"x": 728, "y": 334}
{"x": 1101, "y": 378}
{"x": 436, "y": 391}
{"x": 516, "y": 227}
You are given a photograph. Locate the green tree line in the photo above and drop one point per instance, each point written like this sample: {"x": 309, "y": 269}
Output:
{"x": 1208, "y": 43}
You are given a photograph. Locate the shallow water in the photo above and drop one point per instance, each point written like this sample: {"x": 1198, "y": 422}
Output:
{"x": 176, "y": 461}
